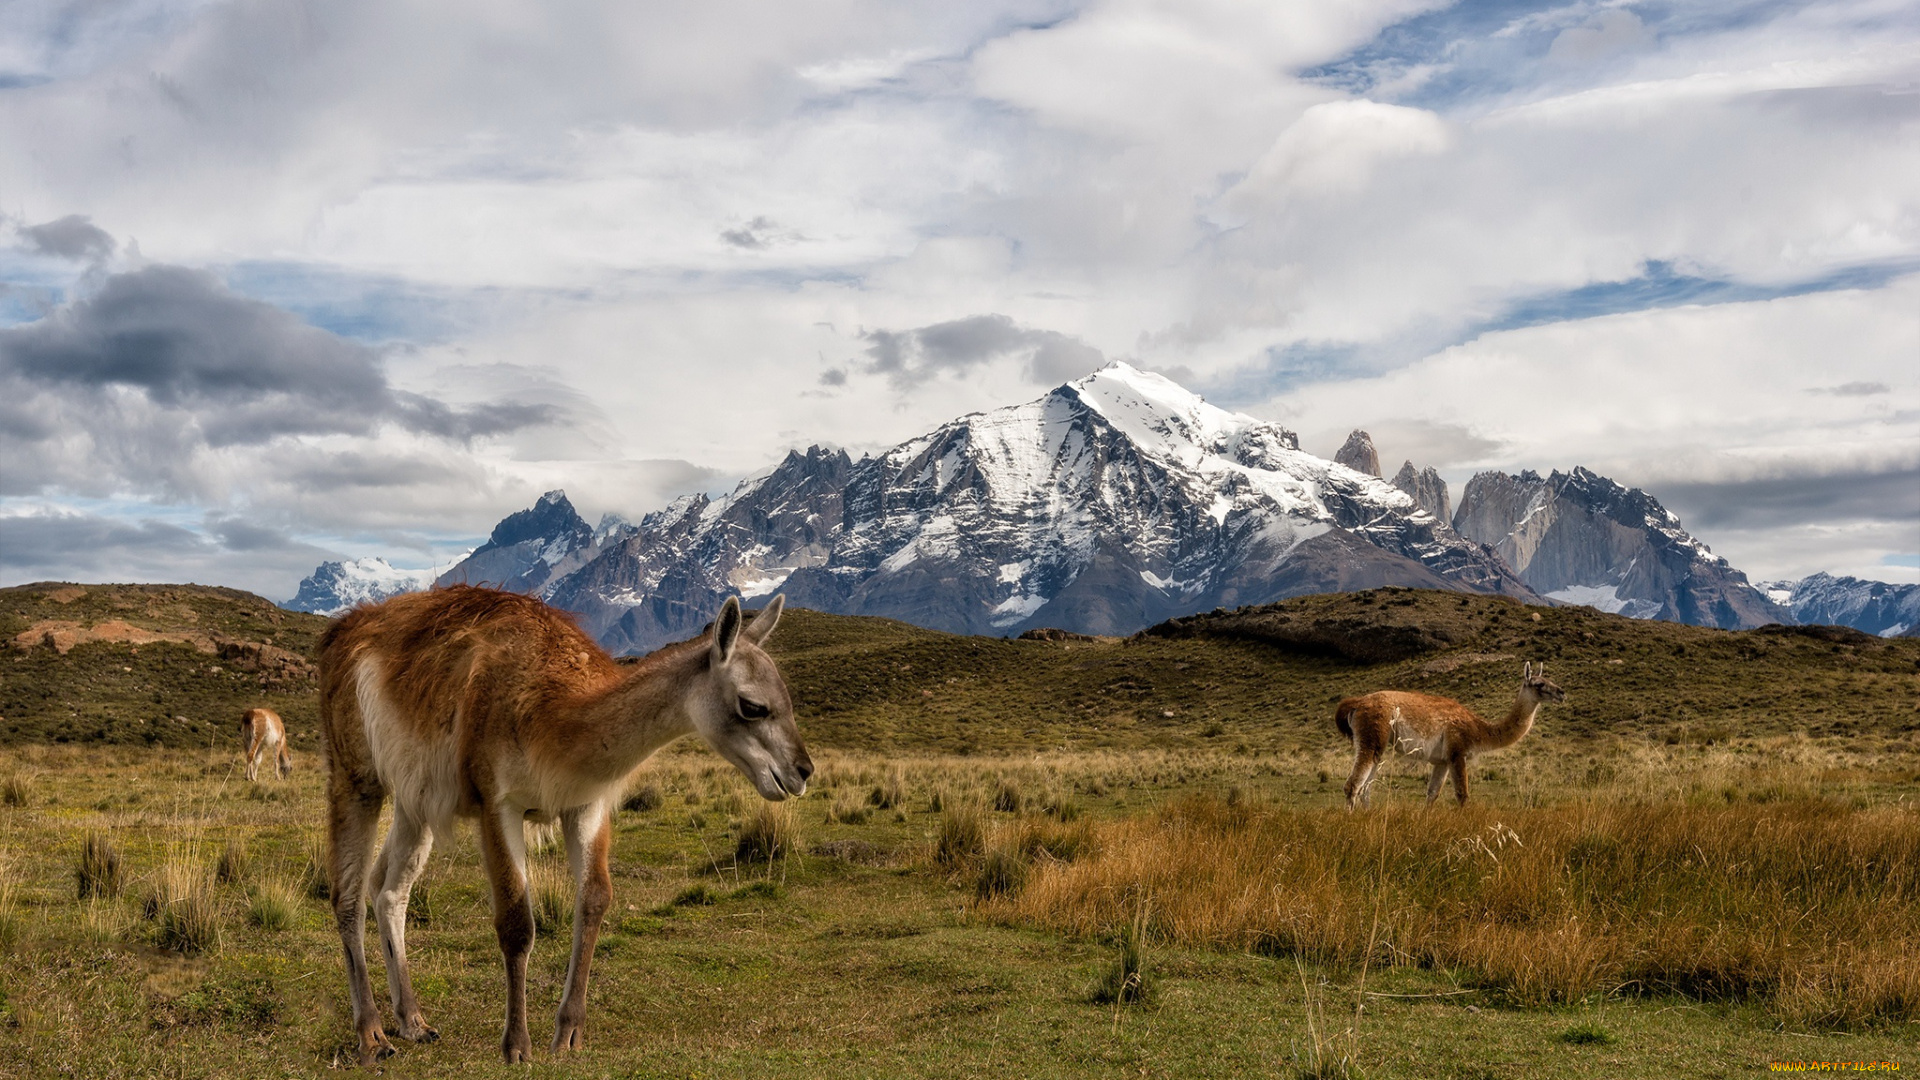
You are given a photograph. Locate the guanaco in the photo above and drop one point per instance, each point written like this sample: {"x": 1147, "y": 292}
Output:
{"x": 489, "y": 705}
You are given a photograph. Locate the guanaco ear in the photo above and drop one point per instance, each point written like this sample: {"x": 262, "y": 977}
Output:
{"x": 1526, "y": 671}
{"x": 726, "y": 630}
{"x": 763, "y": 623}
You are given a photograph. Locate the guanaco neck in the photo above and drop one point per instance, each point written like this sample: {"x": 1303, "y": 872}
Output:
{"x": 605, "y": 735}
{"x": 1514, "y": 726}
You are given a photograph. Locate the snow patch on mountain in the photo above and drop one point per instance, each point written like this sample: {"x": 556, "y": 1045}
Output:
{"x": 334, "y": 587}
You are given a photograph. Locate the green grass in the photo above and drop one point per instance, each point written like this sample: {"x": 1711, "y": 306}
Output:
{"x": 840, "y": 966}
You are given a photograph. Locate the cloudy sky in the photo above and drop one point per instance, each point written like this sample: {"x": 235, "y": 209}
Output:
{"x": 283, "y": 281}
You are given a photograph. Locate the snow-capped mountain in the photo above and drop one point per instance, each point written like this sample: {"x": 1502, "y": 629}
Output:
{"x": 334, "y": 587}
{"x": 1581, "y": 538}
{"x": 1108, "y": 504}
{"x": 530, "y": 551}
{"x": 1873, "y": 606}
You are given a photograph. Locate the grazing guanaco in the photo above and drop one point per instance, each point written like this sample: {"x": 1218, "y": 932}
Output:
{"x": 476, "y": 703}
{"x": 1438, "y": 730}
{"x": 263, "y": 733}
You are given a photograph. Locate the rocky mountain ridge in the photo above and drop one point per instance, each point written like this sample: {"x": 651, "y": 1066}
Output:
{"x": 1111, "y": 503}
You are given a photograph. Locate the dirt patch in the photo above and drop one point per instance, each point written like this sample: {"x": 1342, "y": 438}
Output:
{"x": 1454, "y": 663}
{"x": 65, "y": 596}
{"x": 62, "y": 635}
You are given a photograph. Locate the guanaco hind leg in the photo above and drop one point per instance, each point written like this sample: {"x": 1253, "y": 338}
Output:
{"x": 503, "y": 844}
{"x": 588, "y": 831}
{"x": 351, "y": 823}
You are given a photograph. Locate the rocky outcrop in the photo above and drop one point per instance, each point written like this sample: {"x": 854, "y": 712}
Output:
{"x": 1581, "y": 538}
{"x": 1429, "y": 491}
{"x": 1358, "y": 454}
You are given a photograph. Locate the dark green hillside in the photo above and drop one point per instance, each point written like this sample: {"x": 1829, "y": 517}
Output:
{"x": 158, "y": 665}
{"x": 1267, "y": 678}
{"x": 1255, "y": 679}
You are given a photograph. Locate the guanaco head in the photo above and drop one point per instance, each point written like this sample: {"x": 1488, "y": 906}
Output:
{"x": 743, "y": 710}
{"x": 1537, "y": 685}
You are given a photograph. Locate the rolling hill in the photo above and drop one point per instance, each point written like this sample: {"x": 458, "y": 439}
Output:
{"x": 174, "y": 665}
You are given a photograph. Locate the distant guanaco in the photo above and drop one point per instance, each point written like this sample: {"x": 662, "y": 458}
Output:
{"x": 263, "y": 734}
{"x": 476, "y": 703}
{"x": 1434, "y": 729}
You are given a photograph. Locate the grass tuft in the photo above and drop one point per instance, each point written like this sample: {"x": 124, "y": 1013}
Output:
{"x": 1125, "y": 981}
{"x": 273, "y": 903}
{"x": 848, "y": 808}
{"x": 771, "y": 833}
{"x": 890, "y": 792}
{"x": 1008, "y": 798}
{"x": 1004, "y": 872}
{"x": 550, "y": 891}
{"x": 315, "y": 880}
{"x": 1588, "y": 1035}
{"x": 962, "y": 835}
{"x": 235, "y": 865}
{"x": 185, "y": 906}
{"x": 644, "y": 798}
{"x": 99, "y": 872}
{"x": 17, "y": 788}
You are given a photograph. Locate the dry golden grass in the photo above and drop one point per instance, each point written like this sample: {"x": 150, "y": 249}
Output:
{"x": 1810, "y": 905}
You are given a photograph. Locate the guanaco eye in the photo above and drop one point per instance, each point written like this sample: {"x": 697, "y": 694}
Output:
{"x": 751, "y": 710}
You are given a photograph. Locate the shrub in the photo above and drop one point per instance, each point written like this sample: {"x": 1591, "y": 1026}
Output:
{"x": 768, "y": 835}
{"x": 99, "y": 872}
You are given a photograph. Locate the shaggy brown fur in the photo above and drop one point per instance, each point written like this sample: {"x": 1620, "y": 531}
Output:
{"x": 476, "y": 703}
{"x": 1437, "y": 730}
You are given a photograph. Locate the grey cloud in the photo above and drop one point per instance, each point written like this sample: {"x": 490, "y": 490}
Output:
{"x": 87, "y": 547}
{"x": 1853, "y": 389}
{"x": 72, "y": 237}
{"x": 163, "y": 362}
{"x": 908, "y": 355}
{"x": 1783, "y": 502}
{"x": 239, "y": 534}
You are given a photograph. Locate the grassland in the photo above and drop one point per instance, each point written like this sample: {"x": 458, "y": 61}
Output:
{"x": 1704, "y": 861}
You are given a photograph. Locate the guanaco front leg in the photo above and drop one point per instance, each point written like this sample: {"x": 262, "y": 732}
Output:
{"x": 589, "y": 833}
{"x": 1434, "y": 780}
{"x": 503, "y": 843}
{"x": 1460, "y": 778}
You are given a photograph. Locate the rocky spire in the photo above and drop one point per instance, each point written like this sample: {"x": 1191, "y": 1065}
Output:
{"x": 1428, "y": 490}
{"x": 1359, "y": 455}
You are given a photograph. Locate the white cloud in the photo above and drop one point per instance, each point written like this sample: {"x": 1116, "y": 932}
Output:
{"x": 1691, "y": 397}
{"x": 683, "y": 225}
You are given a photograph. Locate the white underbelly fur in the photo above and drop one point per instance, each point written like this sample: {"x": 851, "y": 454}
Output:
{"x": 422, "y": 774}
